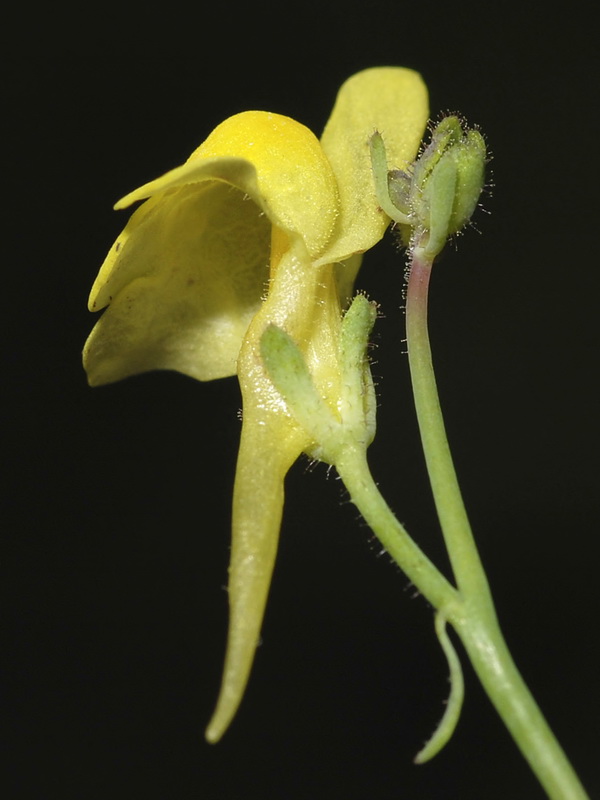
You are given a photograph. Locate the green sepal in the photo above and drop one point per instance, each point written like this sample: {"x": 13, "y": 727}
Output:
{"x": 353, "y": 421}
{"x": 470, "y": 158}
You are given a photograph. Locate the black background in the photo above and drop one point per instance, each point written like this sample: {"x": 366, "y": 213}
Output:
{"x": 117, "y": 499}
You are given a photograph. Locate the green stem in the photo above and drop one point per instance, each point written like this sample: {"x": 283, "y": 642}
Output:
{"x": 476, "y": 622}
{"x": 518, "y": 709}
{"x": 354, "y": 472}
{"x": 460, "y": 543}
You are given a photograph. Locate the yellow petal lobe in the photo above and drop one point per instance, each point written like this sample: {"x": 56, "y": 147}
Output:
{"x": 295, "y": 180}
{"x": 394, "y": 101}
{"x": 182, "y": 282}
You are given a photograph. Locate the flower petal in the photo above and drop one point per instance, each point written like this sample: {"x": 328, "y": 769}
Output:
{"x": 295, "y": 179}
{"x": 292, "y": 179}
{"x": 183, "y": 282}
{"x": 393, "y": 101}
{"x": 120, "y": 267}
{"x": 188, "y": 273}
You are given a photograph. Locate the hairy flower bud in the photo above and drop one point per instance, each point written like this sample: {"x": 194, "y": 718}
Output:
{"x": 436, "y": 196}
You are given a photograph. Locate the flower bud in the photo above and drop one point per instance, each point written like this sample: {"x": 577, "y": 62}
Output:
{"x": 436, "y": 197}
{"x": 448, "y": 179}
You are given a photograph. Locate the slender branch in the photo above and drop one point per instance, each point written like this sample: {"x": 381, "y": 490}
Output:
{"x": 353, "y": 470}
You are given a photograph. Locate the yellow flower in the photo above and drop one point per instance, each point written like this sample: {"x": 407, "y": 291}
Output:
{"x": 262, "y": 225}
